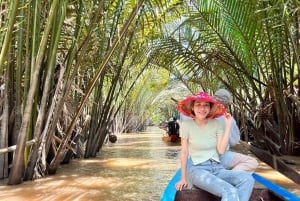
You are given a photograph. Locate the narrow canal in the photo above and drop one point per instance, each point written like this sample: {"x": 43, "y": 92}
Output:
{"x": 136, "y": 168}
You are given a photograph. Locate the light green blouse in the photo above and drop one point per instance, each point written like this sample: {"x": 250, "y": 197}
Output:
{"x": 202, "y": 142}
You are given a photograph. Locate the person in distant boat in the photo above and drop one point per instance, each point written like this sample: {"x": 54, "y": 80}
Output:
{"x": 204, "y": 139}
{"x": 177, "y": 128}
{"x": 173, "y": 127}
{"x": 232, "y": 160}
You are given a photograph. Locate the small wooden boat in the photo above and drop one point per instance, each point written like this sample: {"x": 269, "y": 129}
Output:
{"x": 172, "y": 138}
{"x": 271, "y": 192}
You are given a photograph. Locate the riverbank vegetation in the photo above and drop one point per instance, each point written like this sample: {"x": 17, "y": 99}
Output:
{"x": 74, "y": 71}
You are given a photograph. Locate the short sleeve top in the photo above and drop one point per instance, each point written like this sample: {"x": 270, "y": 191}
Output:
{"x": 202, "y": 142}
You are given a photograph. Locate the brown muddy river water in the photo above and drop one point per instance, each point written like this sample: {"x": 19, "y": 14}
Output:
{"x": 136, "y": 168}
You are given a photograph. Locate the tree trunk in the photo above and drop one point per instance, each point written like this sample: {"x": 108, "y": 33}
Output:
{"x": 4, "y": 133}
{"x": 16, "y": 174}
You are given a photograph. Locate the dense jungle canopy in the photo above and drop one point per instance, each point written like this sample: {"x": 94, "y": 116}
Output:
{"x": 72, "y": 72}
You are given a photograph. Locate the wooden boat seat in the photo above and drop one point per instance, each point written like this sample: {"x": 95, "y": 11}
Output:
{"x": 258, "y": 194}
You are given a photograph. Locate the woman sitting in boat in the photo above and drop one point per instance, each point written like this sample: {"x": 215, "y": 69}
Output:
{"x": 204, "y": 139}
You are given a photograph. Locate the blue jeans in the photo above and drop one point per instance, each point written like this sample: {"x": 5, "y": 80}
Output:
{"x": 230, "y": 185}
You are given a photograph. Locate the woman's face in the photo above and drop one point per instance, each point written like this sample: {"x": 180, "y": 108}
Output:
{"x": 201, "y": 109}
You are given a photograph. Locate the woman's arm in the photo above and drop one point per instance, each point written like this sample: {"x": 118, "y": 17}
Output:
{"x": 184, "y": 158}
{"x": 223, "y": 140}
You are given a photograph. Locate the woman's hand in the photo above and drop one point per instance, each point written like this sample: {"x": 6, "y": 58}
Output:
{"x": 181, "y": 184}
{"x": 228, "y": 119}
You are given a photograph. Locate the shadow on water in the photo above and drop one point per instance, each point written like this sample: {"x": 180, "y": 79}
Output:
{"x": 137, "y": 167}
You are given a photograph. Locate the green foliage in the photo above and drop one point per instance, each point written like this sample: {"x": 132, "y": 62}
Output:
{"x": 250, "y": 47}
{"x": 125, "y": 75}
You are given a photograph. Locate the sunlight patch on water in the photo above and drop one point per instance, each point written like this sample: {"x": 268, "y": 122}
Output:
{"x": 125, "y": 163}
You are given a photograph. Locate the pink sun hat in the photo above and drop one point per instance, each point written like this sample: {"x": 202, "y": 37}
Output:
{"x": 185, "y": 106}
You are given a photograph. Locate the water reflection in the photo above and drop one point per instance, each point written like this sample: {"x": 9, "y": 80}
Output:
{"x": 137, "y": 167}
{"x": 171, "y": 154}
